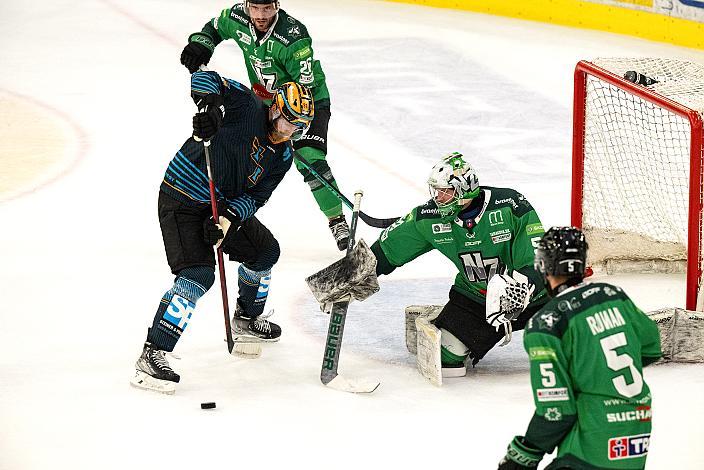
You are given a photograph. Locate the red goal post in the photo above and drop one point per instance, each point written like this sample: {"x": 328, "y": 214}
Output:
{"x": 637, "y": 166}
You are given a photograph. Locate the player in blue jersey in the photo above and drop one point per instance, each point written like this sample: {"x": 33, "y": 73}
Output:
{"x": 250, "y": 152}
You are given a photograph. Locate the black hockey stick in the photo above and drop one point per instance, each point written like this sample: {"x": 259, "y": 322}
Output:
{"x": 333, "y": 341}
{"x": 369, "y": 220}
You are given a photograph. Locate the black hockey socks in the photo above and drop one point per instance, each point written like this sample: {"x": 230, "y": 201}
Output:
{"x": 177, "y": 305}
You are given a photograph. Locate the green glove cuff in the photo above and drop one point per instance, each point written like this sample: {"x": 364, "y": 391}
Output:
{"x": 522, "y": 454}
{"x": 203, "y": 39}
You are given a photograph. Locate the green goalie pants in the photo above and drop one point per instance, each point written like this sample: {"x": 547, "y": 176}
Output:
{"x": 328, "y": 202}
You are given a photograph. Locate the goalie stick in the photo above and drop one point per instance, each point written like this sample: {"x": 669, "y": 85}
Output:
{"x": 333, "y": 342}
{"x": 369, "y": 220}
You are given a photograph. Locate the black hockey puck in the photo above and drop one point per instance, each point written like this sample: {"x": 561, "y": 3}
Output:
{"x": 207, "y": 405}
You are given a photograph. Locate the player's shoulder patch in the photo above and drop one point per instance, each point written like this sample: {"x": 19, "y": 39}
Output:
{"x": 238, "y": 14}
{"x": 552, "y": 319}
{"x": 289, "y": 30}
{"x": 507, "y": 197}
{"x": 427, "y": 211}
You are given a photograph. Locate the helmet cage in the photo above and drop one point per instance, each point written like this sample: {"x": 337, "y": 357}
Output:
{"x": 453, "y": 172}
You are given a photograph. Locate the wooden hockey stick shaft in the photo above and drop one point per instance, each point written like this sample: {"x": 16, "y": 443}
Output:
{"x": 218, "y": 250}
{"x": 369, "y": 220}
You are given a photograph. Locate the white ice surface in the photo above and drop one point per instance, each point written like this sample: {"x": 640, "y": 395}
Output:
{"x": 83, "y": 266}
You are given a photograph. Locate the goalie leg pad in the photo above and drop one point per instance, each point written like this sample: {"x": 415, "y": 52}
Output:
{"x": 428, "y": 357}
{"x": 430, "y": 312}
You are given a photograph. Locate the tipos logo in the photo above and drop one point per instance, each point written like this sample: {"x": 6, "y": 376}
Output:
{"x": 628, "y": 447}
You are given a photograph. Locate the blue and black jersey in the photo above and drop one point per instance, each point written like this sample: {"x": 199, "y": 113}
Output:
{"x": 246, "y": 166}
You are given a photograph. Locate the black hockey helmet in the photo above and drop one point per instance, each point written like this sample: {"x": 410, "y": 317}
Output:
{"x": 260, "y": 2}
{"x": 562, "y": 252}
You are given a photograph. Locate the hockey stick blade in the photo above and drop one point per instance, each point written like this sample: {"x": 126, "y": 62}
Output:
{"x": 368, "y": 219}
{"x": 352, "y": 385}
{"x": 377, "y": 223}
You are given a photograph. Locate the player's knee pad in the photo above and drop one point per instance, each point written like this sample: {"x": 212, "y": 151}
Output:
{"x": 191, "y": 283}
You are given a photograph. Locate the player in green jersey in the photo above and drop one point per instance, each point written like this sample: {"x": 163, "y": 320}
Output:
{"x": 277, "y": 48}
{"x": 489, "y": 234}
{"x": 587, "y": 348}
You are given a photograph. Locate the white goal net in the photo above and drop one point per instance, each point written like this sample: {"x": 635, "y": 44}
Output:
{"x": 637, "y": 165}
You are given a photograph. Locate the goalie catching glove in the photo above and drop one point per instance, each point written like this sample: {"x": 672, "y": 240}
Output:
{"x": 506, "y": 298}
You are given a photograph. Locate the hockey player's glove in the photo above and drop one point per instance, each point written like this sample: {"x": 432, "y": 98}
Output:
{"x": 229, "y": 222}
{"x": 208, "y": 119}
{"x": 197, "y": 52}
{"x": 520, "y": 456}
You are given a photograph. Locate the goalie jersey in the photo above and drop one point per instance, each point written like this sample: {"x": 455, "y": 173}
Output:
{"x": 587, "y": 348}
{"x": 499, "y": 238}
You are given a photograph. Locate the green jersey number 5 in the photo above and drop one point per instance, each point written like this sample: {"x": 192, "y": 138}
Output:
{"x": 617, "y": 362}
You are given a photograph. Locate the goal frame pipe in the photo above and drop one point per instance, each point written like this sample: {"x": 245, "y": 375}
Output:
{"x": 694, "y": 231}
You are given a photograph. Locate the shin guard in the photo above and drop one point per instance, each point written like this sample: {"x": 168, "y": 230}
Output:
{"x": 177, "y": 305}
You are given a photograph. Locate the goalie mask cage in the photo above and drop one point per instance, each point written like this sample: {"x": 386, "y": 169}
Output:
{"x": 637, "y": 167}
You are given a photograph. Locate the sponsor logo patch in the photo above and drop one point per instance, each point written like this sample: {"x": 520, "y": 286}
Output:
{"x": 532, "y": 229}
{"x": 243, "y": 37}
{"x": 541, "y": 354}
{"x": 441, "y": 228}
{"x": 553, "y": 414}
{"x": 628, "y": 447}
{"x": 495, "y": 218}
{"x": 179, "y": 311}
{"x": 442, "y": 241}
{"x": 552, "y": 394}
{"x": 305, "y": 52}
{"x": 641, "y": 413}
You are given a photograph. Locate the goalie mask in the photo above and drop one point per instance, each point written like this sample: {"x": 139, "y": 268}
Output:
{"x": 562, "y": 252}
{"x": 453, "y": 183}
{"x": 291, "y": 112}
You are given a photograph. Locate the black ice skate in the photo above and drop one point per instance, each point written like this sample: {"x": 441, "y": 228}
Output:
{"x": 340, "y": 231}
{"x": 254, "y": 330}
{"x": 153, "y": 371}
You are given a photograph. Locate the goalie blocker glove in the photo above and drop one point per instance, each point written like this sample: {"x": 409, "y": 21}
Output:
{"x": 208, "y": 119}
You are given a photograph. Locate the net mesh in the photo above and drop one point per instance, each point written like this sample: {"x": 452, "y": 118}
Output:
{"x": 636, "y": 165}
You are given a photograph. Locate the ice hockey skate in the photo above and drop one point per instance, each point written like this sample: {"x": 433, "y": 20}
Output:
{"x": 254, "y": 330}
{"x": 340, "y": 231}
{"x": 153, "y": 371}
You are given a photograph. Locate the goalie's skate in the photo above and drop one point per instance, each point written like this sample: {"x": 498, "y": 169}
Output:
{"x": 153, "y": 371}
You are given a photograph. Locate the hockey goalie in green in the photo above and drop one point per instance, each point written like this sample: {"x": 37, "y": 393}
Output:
{"x": 489, "y": 234}
{"x": 587, "y": 348}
